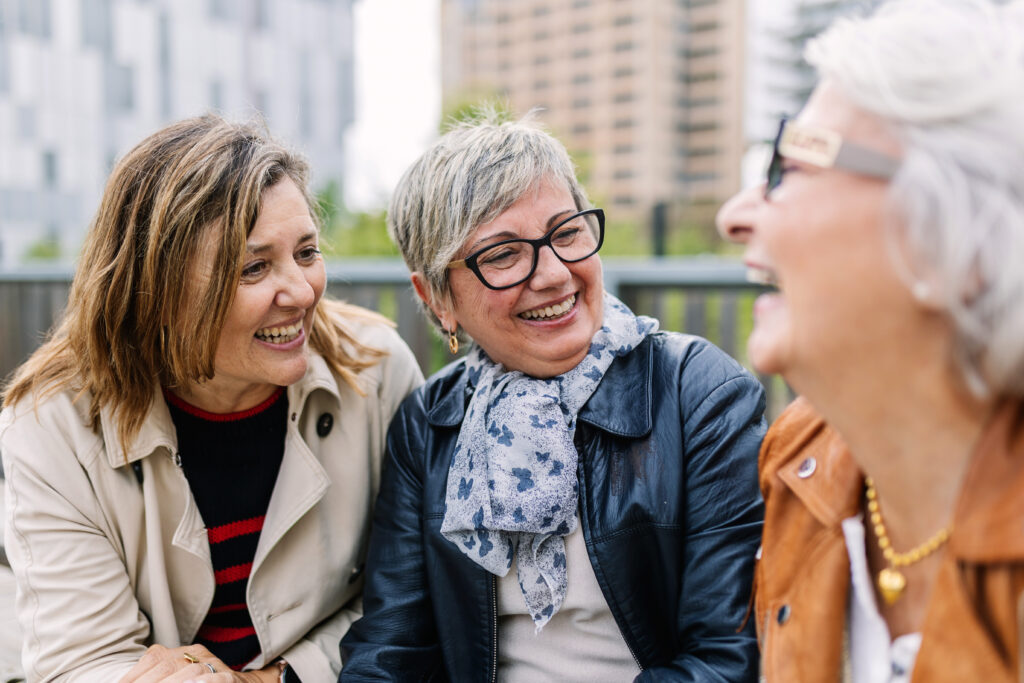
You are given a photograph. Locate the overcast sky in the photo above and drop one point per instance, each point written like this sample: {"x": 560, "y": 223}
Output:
{"x": 398, "y": 95}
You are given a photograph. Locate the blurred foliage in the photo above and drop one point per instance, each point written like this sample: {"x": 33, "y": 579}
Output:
{"x": 45, "y": 249}
{"x": 351, "y": 234}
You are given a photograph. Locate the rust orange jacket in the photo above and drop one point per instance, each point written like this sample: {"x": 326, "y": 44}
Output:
{"x": 972, "y": 629}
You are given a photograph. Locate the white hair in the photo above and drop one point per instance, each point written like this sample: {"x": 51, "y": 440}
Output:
{"x": 469, "y": 177}
{"x": 948, "y": 78}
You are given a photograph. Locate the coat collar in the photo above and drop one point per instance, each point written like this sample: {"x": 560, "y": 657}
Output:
{"x": 158, "y": 430}
{"x": 626, "y": 383}
{"x": 987, "y": 522}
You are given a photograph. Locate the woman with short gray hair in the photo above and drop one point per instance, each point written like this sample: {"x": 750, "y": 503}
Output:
{"x": 576, "y": 499}
{"x": 892, "y": 224}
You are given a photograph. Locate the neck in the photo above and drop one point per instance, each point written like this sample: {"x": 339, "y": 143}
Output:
{"x": 911, "y": 425}
{"x": 214, "y": 398}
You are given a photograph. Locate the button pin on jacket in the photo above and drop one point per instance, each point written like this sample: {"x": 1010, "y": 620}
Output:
{"x": 783, "y": 616}
{"x": 807, "y": 468}
{"x": 324, "y": 424}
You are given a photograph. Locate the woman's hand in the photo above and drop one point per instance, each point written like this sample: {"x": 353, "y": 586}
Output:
{"x": 191, "y": 663}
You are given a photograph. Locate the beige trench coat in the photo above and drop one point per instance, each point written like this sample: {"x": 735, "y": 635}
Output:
{"x": 106, "y": 567}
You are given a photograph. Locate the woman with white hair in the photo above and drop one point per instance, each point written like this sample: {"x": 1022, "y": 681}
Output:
{"x": 892, "y": 225}
{"x": 576, "y": 500}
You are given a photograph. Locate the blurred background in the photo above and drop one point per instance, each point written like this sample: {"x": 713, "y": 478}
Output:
{"x": 667, "y": 107}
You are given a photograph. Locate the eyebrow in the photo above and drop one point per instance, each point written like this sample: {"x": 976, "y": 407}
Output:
{"x": 508, "y": 234}
{"x": 262, "y": 248}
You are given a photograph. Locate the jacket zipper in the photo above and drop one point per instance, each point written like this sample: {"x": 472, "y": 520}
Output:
{"x": 580, "y": 476}
{"x": 494, "y": 629}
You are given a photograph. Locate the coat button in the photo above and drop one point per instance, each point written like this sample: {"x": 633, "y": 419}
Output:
{"x": 807, "y": 468}
{"x": 783, "y": 616}
{"x": 324, "y": 424}
{"x": 356, "y": 572}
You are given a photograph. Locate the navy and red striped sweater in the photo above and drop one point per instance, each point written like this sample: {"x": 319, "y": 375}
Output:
{"x": 231, "y": 462}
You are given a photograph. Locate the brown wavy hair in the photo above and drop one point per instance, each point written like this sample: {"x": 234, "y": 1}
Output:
{"x": 135, "y": 318}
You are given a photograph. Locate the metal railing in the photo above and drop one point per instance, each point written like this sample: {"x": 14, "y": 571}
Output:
{"x": 706, "y": 296}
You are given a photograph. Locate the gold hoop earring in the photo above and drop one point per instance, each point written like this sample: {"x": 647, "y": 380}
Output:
{"x": 453, "y": 341}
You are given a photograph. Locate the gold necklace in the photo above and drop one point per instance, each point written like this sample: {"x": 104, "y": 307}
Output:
{"x": 891, "y": 581}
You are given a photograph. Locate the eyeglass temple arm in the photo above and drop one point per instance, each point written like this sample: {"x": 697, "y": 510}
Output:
{"x": 866, "y": 161}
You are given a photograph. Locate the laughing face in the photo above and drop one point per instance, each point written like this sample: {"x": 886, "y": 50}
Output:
{"x": 542, "y": 327}
{"x": 263, "y": 344}
{"x": 822, "y": 238}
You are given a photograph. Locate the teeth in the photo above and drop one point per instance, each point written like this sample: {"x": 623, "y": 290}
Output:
{"x": 549, "y": 311}
{"x": 279, "y": 335}
{"x": 761, "y": 276}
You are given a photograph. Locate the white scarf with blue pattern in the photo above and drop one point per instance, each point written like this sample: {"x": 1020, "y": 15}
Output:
{"x": 512, "y": 486}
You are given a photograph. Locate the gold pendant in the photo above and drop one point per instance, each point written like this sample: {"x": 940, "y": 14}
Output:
{"x": 891, "y": 583}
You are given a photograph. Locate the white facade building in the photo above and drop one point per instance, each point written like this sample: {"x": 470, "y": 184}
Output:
{"x": 81, "y": 81}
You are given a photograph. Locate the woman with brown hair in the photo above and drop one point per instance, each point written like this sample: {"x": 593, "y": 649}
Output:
{"x": 169, "y": 449}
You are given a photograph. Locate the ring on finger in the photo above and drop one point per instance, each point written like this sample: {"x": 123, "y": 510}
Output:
{"x": 210, "y": 667}
{"x": 190, "y": 658}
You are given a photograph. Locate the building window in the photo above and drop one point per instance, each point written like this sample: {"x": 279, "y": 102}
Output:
{"x": 219, "y": 9}
{"x": 25, "y": 121}
{"x": 624, "y": 20}
{"x": 622, "y": 174}
{"x": 120, "y": 87}
{"x": 581, "y": 129}
{"x": 541, "y": 84}
{"x": 217, "y": 95}
{"x": 622, "y": 149}
{"x": 579, "y": 4}
{"x": 623, "y": 46}
{"x": 581, "y": 103}
{"x": 5, "y": 65}
{"x": 580, "y": 28}
{"x": 541, "y": 10}
{"x": 34, "y": 17}
{"x": 623, "y": 97}
{"x": 260, "y": 14}
{"x": 624, "y": 200}
{"x": 622, "y": 123}
{"x": 541, "y": 35}
{"x": 96, "y": 24}
{"x": 581, "y": 53}
{"x": 622, "y": 72}
{"x": 581, "y": 79}
{"x": 541, "y": 60}
{"x": 49, "y": 168}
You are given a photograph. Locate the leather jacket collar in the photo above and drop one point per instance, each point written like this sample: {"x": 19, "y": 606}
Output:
{"x": 626, "y": 383}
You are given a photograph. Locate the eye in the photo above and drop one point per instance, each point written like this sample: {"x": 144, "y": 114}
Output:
{"x": 253, "y": 270}
{"x": 308, "y": 254}
{"x": 501, "y": 256}
{"x": 565, "y": 235}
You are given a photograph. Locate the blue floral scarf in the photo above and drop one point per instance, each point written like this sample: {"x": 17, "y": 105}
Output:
{"x": 512, "y": 486}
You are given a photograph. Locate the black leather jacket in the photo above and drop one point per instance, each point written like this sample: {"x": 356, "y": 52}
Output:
{"x": 669, "y": 506}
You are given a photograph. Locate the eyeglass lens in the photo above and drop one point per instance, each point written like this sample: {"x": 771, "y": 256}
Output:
{"x": 509, "y": 263}
{"x": 774, "y": 178}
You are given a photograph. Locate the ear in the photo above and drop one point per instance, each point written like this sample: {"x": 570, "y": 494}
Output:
{"x": 440, "y": 308}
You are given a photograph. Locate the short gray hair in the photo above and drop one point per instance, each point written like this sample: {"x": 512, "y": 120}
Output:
{"x": 947, "y": 76}
{"x": 469, "y": 177}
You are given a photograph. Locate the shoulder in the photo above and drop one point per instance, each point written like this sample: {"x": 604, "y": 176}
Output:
{"x": 703, "y": 371}
{"x": 442, "y": 389}
{"x": 38, "y": 427}
{"x": 798, "y": 431}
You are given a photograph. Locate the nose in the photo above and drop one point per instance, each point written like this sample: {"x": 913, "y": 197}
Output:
{"x": 550, "y": 272}
{"x": 294, "y": 288}
{"x": 735, "y": 220}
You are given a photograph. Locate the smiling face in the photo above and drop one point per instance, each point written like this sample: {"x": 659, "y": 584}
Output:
{"x": 542, "y": 327}
{"x": 264, "y": 341}
{"x": 821, "y": 237}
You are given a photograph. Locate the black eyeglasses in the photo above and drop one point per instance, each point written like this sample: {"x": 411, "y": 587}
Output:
{"x": 824, "y": 149}
{"x": 511, "y": 262}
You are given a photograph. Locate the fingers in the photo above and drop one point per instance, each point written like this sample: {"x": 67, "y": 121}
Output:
{"x": 176, "y": 665}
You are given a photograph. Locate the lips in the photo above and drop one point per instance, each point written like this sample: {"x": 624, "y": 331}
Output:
{"x": 549, "y": 312}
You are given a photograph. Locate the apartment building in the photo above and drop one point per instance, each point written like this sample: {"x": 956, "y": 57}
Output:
{"x": 647, "y": 94}
{"x": 81, "y": 81}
